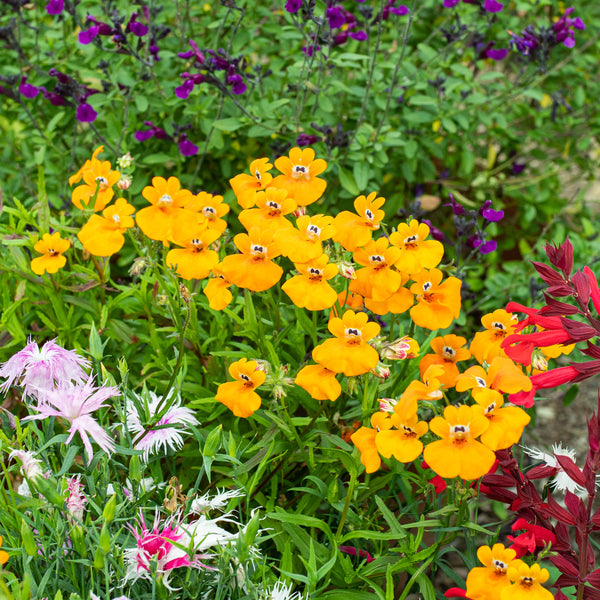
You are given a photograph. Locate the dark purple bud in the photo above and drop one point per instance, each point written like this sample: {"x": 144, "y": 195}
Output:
{"x": 360, "y": 35}
{"x": 87, "y": 35}
{"x": 518, "y": 168}
{"x": 55, "y": 99}
{"x": 138, "y": 29}
{"x": 306, "y": 140}
{"x": 497, "y": 53}
{"x": 28, "y": 90}
{"x": 154, "y": 49}
{"x": 86, "y": 114}
{"x": 457, "y": 208}
{"x": 450, "y": 3}
{"x": 55, "y": 7}
{"x": 435, "y": 233}
{"x": 493, "y": 6}
{"x": 186, "y": 147}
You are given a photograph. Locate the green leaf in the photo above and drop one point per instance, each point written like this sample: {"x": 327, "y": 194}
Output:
{"x": 229, "y": 124}
{"x": 422, "y": 100}
{"x": 141, "y": 102}
{"x": 362, "y": 173}
{"x": 347, "y": 181}
{"x": 570, "y": 394}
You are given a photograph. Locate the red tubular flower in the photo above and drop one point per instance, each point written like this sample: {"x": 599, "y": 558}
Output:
{"x": 535, "y": 535}
{"x": 594, "y": 289}
{"x": 543, "y": 381}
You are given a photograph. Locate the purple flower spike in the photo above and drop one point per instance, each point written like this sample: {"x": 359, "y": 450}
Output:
{"x": 237, "y": 84}
{"x": 186, "y": 147}
{"x": 28, "y": 90}
{"x": 305, "y": 139}
{"x": 87, "y": 35}
{"x": 487, "y": 247}
{"x": 493, "y": 6}
{"x": 335, "y": 17}
{"x": 497, "y": 53}
{"x": 86, "y": 114}
{"x": 55, "y": 7}
{"x": 359, "y": 35}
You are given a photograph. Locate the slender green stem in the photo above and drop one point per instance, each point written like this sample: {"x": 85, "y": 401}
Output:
{"x": 349, "y": 495}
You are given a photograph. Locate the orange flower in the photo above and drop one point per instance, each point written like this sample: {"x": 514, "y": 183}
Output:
{"x": 103, "y": 235}
{"x": 167, "y": 198}
{"x": 437, "y": 303}
{"x": 51, "y": 246}
{"x": 299, "y": 177}
{"x": 355, "y": 230}
{"x": 458, "y": 453}
{"x": 3, "y": 554}
{"x": 416, "y": 252}
{"x": 487, "y": 582}
{"x": 498, "y": 325}
{"x": 346, "y": 300}
{"x": 211, "y": 207}
{"x": 348, "y": 352}
{"x": 526, "y": 582}
{"x": 239, "y": 395}
{"x": 195, "y": 260}
{"x": 98, "y": 180}
{"x": 429, "y": 389}
{"x": 506, "y": 424}
{"x": 303, "y": 242}
{"x": 310, "y": 289}
{"x": 448, "y": 351}
{"x": 217, "y": 290}
{"x": 376, "y": 280}
{"x": 245, "y": 186}
{"x": 319, "y": 382}
{"x": 365, "y": 440}
{"x": 254, "y": 268}
{"x": 272, "y": 206}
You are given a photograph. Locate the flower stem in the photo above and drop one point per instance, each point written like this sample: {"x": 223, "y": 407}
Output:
{"x": 349, "y": 495}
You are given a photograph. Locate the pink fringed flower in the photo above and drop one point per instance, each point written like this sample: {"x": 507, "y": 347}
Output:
{"x": 75, "y": 403}
{"x": 76, "y": 501}
{"x": 42, "y": 369}
{"x": 167, "y": 432}
{"x": 158, "y": 544}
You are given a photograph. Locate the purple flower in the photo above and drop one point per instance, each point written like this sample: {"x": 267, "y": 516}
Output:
{"x": 28, "y": 90}
{"x": 436, "y": 233}
{"x": 359, "y": 35}
{"x": 400, "y": 10}
{"x": 195, "y": 52}
{"x": 154, "y": 49}
{"x": 493, "y": 6}
{"x": 55, "y": 7}
{"x": 457, "y": 208}
{"x": 154, "y": 131}
{"x": 488, "y": 246}
{"x": 185, "y": 89}
{"x": 489, "y": 214}
{"x": 293, "y": 6}
{"x": 335, "y": 17}
{"x": 38, "y": 369}
{"x": 186, "y": 147}
{"x": 518, "y": 168}
{"x": 450, "y": 3}
{"x": 75, "y": 403}
{"x": 306, "y": 140}
{"x": 236, "y": 82}
{"x": 497, "y": 53}
{"x": 563, "y": 28}
{"x": 85, "y": 113}
{"x": 55, "y": 99}
{"x": 87, "y": 35}
{"x": 134, "y": 26}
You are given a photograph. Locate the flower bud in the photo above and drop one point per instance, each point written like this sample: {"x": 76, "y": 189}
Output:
{"x": 110, "y": 508}
{"x": 346, "y": 269}
{"x": 124, "y": 183}
{"x": 125, "y": 161}
{"x": 28, "y": 539}
{"x": 400, "y": 349}
{"x": 381, "y": 371}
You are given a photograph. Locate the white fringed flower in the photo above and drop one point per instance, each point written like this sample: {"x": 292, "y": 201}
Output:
{"x": 205, "y": 503}
{"x": 281, "y": 591}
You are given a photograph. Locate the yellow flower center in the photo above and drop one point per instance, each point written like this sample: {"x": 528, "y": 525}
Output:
{"x": 527, "y": 582}
{"x": 312, "y": 231}
{"x": 459, "y": 433}
{"x": 353, "y": 335}
{"x": 315, "y": 274}
{"x": 300, "y": 172}
{"x": 52, "y": 252}
{"x": 409, "y": 431}
{"x": 165, "y": 200}
{"x": 499, "y": 326}
{"x": 102, "y": 182}
{"x": 449, "y": 352}
{"x": 246, "y": 379}
{"x": 490, "y": 408}
{"x": 257, "y": 175}
{"x": 411, "y": 241}
{"x": 197, "y": 244}
{"x": 275, "y": 208}
{"x": 481, "y": 382}
{"x": 258, "y": 251}
{"x": 499, "y": 566}
{"x": 377, "y": 261}
{"x": 209, "y": 211}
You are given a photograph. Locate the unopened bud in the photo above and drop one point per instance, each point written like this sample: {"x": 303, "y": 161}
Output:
{"x": 300, "y": 211}
{"x": 400, "y": 349}
{"x": 381, "y": 371}
{"x": 125, "y": 161}
{"x": 124, "y": 183}
{"x": 539, "y": 361}
{"x": 185, "y": 294}
{"x": 347, "y": 270}
{"x": 387, "y": 404}
{"x": 139, "y": 265}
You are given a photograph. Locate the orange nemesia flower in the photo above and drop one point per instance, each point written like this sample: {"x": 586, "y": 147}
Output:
{"x": 416, "y": 252}
{"x": 76, "y": 178}
{"x": 458, "y": 453}
{"x": 526, "y": 582}
{"x": 195, "y": 260}
{"x": 272, "y": 206}
{"x": 348, "y": 352}
{"x": 487, "y": 582}
{"x": 438, "y": 304}
{"x": 51, "y": 246}
{"x": 303, "y": 242}
{"x": 319, "y": 382}
{"x": 448, "y": 351}
{"x": 103, "y": 235}
{"x": 498, "y": 325}
{"x": 3, "y": 554}
{"x": 98, "y": 180}
{"x": 310, "y": 289}
{"x": 239, "y": 395}
{"x": 167, "y": 198}
{"x": 217, "y": 290}
{"x": 299, "y": 176}
{"x": 213, "y": 208}
{"x": 355, "y": 230}
{"x": 506, "y": 424}
{"x": 365, "y": 440}
{"x": 254, "y": 267}
{"x": 430, "y": 388}
{"x": 245, "y": 186}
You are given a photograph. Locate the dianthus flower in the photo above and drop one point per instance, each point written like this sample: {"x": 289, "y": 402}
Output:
{"x": 438, "y": 303}
{"x": 76, "y": 500}
{"x": 194, "y": 260}
{"x": 487, "y": 344}
{"x": 212, "y": 208}
{"x": 98, "y": 178}
{"x": 245, "y": 186}
{"x": 561, "y": 481}
{"x": 254, "y": 267}
{"x": 448, "y": 351}
{"x": 167, "y": 432}
{"x": 75, "y": 403}
{"x": 377, "y": 280}
{"x": 42, "y": 369}
{"x": 416, "y": 251}
{"x": 526, "y": 582}
{"x": 167, "y": 198}
{"x": 52, "y": 247}
{"x": 355, "y": 230}
{"x": 103, "y": 235}
{"x": 348, "y": 352}
{"x": 319, "y": 382}
{"x": 239, "y": 395}
{"x": 310, "y": 289}
{"x": 299, "y": 175}
{"x": 487, "y": 582}
{"x": 217, "y": 290}
{"x": 303, "y": 242}
{"x": 458, "y": 453}
{"x": 271, "y": 207}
